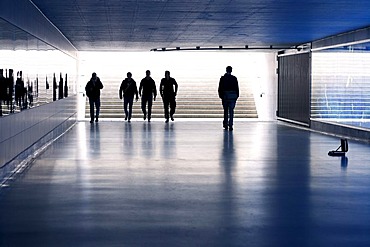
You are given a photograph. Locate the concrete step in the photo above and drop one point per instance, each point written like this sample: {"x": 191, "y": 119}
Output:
{"x": 156, "y": 116}
{"x": 188, "y": 106}
{"x": 179, "y": 110}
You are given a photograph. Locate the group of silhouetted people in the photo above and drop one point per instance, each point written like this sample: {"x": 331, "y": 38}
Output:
{"x": 128, "y": 92}
{"x": 228, "y": 91}
{"x": 148, "y": 93}
{"x": 23, "y": 92}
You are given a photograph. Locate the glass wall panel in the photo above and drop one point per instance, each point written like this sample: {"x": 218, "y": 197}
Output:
{"x": 32, "y": 72}
{"x": 341, "y": 85}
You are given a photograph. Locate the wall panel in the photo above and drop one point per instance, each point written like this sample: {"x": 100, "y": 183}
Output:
{"x": 23, "y": 133}
{"x": 294, "y": 88}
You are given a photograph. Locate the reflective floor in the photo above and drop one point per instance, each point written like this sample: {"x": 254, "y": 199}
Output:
{"x": 190, "y": 183}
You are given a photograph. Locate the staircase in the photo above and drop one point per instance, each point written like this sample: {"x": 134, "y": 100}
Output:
{"x": 193, "y": 101}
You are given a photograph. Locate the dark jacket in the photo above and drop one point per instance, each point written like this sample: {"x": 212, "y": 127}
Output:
{"x": 128, "y": 89}
{"x": 19, "y": 88}
{"x": 147, "y": 87}
{"x": 166, "y": 88}
{"x": 228, "y": 88}
{"x": 93, "y": 89}
{"x": 3, "y": 88}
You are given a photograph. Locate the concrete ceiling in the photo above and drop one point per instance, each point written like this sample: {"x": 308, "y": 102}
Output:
{"x": 101, "y": 25}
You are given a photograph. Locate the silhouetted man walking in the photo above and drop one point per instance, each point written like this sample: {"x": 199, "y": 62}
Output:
{"x": 93, "y": 92}
{"x": 128, "y": 90}
{"x": 168, "y": 89}
{"x": 228, "y": 91}
{"x": 147, "y": 92}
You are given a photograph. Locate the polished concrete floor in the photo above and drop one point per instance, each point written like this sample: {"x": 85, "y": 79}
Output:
{"x": 190, "y": 183}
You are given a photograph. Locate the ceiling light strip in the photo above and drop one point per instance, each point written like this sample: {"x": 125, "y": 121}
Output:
{"x": 198, "y": 48}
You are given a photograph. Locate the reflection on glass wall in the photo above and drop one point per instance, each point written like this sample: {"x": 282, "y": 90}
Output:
{"x": 31, "y": 72}
{"x": 341, "y": 85}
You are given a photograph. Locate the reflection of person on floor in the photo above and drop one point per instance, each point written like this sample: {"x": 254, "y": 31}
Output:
{"x": 148, "y": 92}
{"x": 30, "y": 94}
{"x": 9, "y": 89}
{"x": 2, "y": 90}
{"x": 228, "y": 91}
{"x": 168, "y": 94}
{"x": 93, "y": 92}
{"x": 128, "y": 90}
{"x": 19, "y": 91}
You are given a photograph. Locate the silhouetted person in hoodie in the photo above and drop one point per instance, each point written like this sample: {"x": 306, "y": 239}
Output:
{"x": 93, "y": 92}
{"x": 228, "y": 91}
